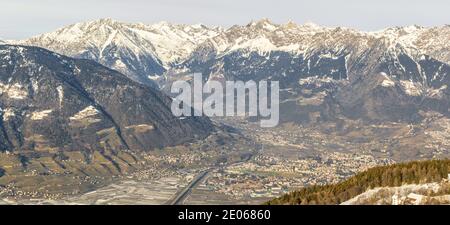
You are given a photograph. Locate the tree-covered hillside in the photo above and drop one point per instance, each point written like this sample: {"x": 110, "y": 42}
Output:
{"x": 383, "y": 176}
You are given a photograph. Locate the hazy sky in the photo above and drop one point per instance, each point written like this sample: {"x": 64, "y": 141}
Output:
{"x": 24, "y": 18}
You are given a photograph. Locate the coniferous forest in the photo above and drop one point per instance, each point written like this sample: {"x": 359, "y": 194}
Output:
{"x": 395, "y": 175}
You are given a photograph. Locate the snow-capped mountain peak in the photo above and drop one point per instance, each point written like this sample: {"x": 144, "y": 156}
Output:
{"x": 263, "y": 24}
{"x": 137, "y": 50}
{"x": 143, "y": 50}
{"x": 166, "y": 41}
{"x": 312, "y": 26}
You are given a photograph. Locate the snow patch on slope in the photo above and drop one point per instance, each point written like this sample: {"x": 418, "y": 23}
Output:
{"x": 414, "y": 194}
{"x": 14, "y": 91}
{"x": 86, "y": 112}
{"x": 41, "y": 114}
{"x": 387, "y": 81}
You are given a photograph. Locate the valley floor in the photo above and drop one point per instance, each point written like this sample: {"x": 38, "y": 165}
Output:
{"x": 266, "y": 164}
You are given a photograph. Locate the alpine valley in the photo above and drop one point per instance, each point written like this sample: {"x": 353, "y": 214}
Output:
{"x": 85, "y": 111}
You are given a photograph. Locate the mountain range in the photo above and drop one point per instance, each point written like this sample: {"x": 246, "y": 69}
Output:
{"x": 149, "y": 50}
{"x": 405, "y": 68}
{"x": 395, "y": 74}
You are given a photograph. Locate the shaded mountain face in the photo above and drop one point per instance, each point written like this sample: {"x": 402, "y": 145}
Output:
{"x": 321, "y": 70}
{"x": 49, "y": 103}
